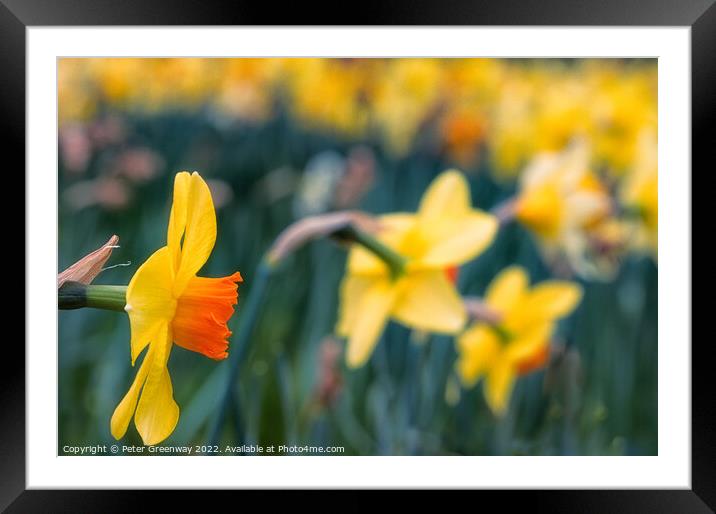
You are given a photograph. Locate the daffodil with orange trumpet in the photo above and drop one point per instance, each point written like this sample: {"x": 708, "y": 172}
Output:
{"x": 517, "y": 338}
{"x": 562, "y": 202}
{"x": 445, "y": 232}
{"x": 169, "y": 304}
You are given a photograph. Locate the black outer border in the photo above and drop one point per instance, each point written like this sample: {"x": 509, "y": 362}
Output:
{"x": 700, "y": 15}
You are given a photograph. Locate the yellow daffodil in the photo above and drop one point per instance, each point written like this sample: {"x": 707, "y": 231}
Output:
{"x": 445, "y": 232}
{"x": 166, "y": 303}
{"x": 518, "y": 340}
{"x": 403, "y": 97}
{"x": 624, "y": 106}
{"x": 327, "y": 94}
{"x": 560, "y": 200}
{"x": 516, "y": 110}
{"x": 640, "y": 194}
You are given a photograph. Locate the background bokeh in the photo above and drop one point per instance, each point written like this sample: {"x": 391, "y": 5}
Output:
{"x": 281, "y": 139}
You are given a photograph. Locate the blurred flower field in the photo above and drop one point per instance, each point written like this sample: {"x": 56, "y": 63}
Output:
{"x": 498, "y": 295}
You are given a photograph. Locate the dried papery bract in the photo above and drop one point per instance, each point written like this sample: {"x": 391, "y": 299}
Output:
{"x": 317, "y": 227}
{"x": 88, "y": 267}
{"x": 505, "y": 211}
{"x": 480, "y": 311}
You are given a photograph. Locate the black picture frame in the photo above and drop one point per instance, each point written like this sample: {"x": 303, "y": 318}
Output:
{"x": 17, "y": 15}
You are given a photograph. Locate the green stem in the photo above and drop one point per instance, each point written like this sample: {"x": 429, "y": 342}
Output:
{"x": 113, "y": 298}
{"x": 393, "y": 259}
{"x": 75, "y": 295}
{"x": 504, "y": 335}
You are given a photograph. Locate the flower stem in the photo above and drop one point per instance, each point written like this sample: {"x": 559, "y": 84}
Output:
{"x": 480, "y": 311}
{"x": 392, "y": 259}
{"x": 113, "y": 298}
{"x": 350, "y": 226}
{"x": 505, "y": 211}
{"x": 75, "y": 295}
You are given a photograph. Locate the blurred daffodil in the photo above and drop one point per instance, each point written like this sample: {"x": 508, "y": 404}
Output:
{"x": 512, "y": 109}
{"x": 167, "y": 303}
{"x": 560, "y": 200}
{"x": 444, "y": 233}
{"x": 517, "y": 340}
{"x": 624, "y": 106}
{"x": 640, "y": 195}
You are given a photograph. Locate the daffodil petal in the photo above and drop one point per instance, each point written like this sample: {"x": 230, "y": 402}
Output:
{"x": 478, "y": 347}
{"x": 454, "y": 241}
{"x": 352, "y": 291}
{"x": 157, "y": 412}
{"x": 574, "y": 165}
{"x": 177, "y": 217}
{"x": 150, "y": 302}
{"x": 125, "y": 410}
{"x": 531, "y": 344}
{"x": 499, "y": 384}
{"x": 507, "y": 289}
{"x": 447, "y": 196}
{"x": 199, "y": 231}
{"x": 542, "y": 209}
{"x": 542, "y": 168}
{"x": 361, "y": 261}
{"x": 553, "y": 299}
{"x": 449, "y": 230}
{"x": 584, "y": 207}
{"x": 428, "y": 301}
{"x": 374, "y": 307}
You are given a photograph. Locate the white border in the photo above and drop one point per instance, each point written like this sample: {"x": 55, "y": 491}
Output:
{"x": 672, "y": 466}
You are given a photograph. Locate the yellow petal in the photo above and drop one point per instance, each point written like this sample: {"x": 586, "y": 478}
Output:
{"x": 157, "y": 412}
{"x": 583, "y": 208}
{"x": 353, "y": 289}
{"x": 543, "y": 168}
{"x": 150, "y": 302}
{"x": 507, "y": 289}
{"x": 530, "y": 346}
{"x": 455, "y": 240}
{"x": 498, "y": 385}
{"x": 393, "y": 229}
{"x": 192, "y": 205}
{"x": 450, "y": 232}
{"x": 374, "y": 308}
{"x": 574, "y": 165}
{"x": 428, "y": 301}
{"x": 125, "y": 410}
{"x": 553, "y": 299}
{"x": 447, "y": 196}
{"x": 478, "y": 347}
{"x": 565, "y": 169}
{"x": 542, "y": 209}
{"x": 177, "y": 217}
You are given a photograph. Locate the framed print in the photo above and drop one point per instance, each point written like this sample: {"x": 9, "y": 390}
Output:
{"x": 360, "y": 257}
